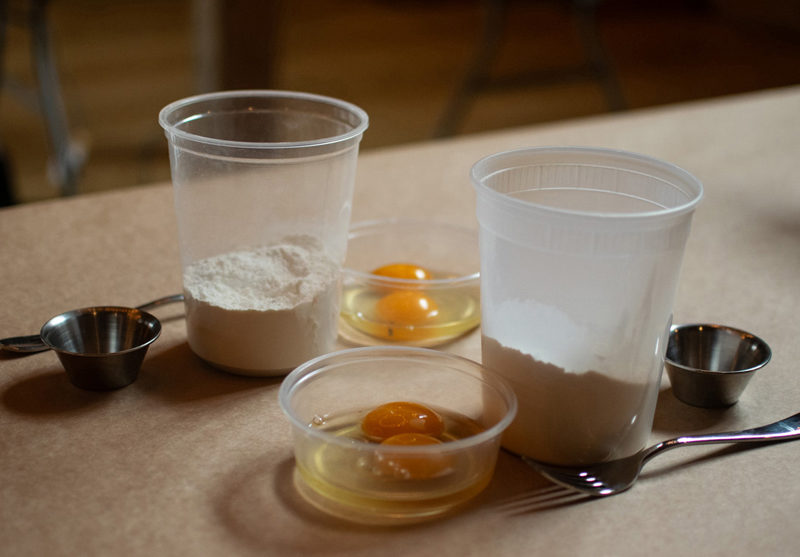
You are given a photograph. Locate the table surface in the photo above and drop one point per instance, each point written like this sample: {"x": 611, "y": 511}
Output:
{"x": 189, "y": 460}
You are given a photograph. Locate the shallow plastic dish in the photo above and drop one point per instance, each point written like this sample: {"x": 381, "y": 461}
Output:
{"x": 378, "y": 309}
{"x": 345, "y": 475}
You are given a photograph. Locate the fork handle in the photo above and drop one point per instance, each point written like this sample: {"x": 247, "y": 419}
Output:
{"x": 783, "y": 430}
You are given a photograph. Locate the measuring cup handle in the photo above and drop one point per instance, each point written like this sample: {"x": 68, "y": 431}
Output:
{"x": 161, "y": 301}
{"x": 29, "y": 344}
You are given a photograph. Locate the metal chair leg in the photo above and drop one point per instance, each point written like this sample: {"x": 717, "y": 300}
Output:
{"x": 598, "y": 66}
{"x": 68, "y": 155}
{"x": 600, "y": 63}
{"x": 6, "y": 185}
{"x": 477, "y": 75}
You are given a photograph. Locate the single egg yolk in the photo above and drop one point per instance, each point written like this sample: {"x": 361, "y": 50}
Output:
{"x": 403, "y": 271}
{"x": 406, "y": 307}
{"x": 394, "y": 418}
{"x": 408, "y": 465}
{"x": 411, "y": 439}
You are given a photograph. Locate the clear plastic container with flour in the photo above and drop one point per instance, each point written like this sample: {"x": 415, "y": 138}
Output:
{"x": 580, "y": 256}
{"x": 263, "y": 184}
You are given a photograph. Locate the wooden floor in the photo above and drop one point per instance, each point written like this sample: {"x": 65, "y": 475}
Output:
{"x": 402, "y": 61}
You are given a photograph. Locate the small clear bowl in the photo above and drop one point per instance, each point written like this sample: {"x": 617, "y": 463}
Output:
{"x": 378, "y": 309}
{"x": 340, "y": 472}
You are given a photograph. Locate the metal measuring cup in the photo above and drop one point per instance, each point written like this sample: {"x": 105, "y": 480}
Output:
{"x": 709, "y": 365}
{"x": 102, "y": 347}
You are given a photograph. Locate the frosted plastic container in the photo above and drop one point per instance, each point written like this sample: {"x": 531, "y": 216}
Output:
{"x": 580, "y": 256}
{"x": 263, "y": 184}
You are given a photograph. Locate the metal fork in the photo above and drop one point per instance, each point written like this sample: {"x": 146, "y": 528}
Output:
{"x": 615, "y": 476}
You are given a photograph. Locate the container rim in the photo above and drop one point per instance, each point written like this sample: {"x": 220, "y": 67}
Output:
{"x": 311, "y": 368}
{"x": 147, "y": 320}
{"x": 171, "y": 127}
{"x": 694, "y": 190}
{"x": 756, "y": 340}
{"x": 365, "y": 227}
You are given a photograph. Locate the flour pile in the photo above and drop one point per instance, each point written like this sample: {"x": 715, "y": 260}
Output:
{"x": 573, "y": 406}
{"x": 265, "y": 310}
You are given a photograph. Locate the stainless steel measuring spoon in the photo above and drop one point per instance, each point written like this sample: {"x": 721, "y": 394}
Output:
{"x": 31, "y": 344}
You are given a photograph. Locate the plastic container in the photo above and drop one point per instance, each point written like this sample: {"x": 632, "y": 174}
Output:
{"x": 345, "y": 475}
{"x": 263, "y": 184}
{"x": 391, "y": 308}
{"x": 580, "y": 256}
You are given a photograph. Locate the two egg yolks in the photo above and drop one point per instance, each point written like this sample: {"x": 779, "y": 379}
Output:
{"x": 396, "y": 418}
{"x": 405, "y": 307}
{"x": 406, "y": 424}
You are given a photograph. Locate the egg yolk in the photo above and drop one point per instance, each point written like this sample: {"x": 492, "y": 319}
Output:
{"x": 406, "y": 307}
{"x": 403, "y": 271}
{"x": 408, "y": 465}
{"x": 411, "y": 439}
{"x": 395, "y": 418}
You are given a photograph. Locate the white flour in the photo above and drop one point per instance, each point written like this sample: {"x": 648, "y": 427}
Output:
{"x": 265, "y": 310}
{"x": 570, "y": 418}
